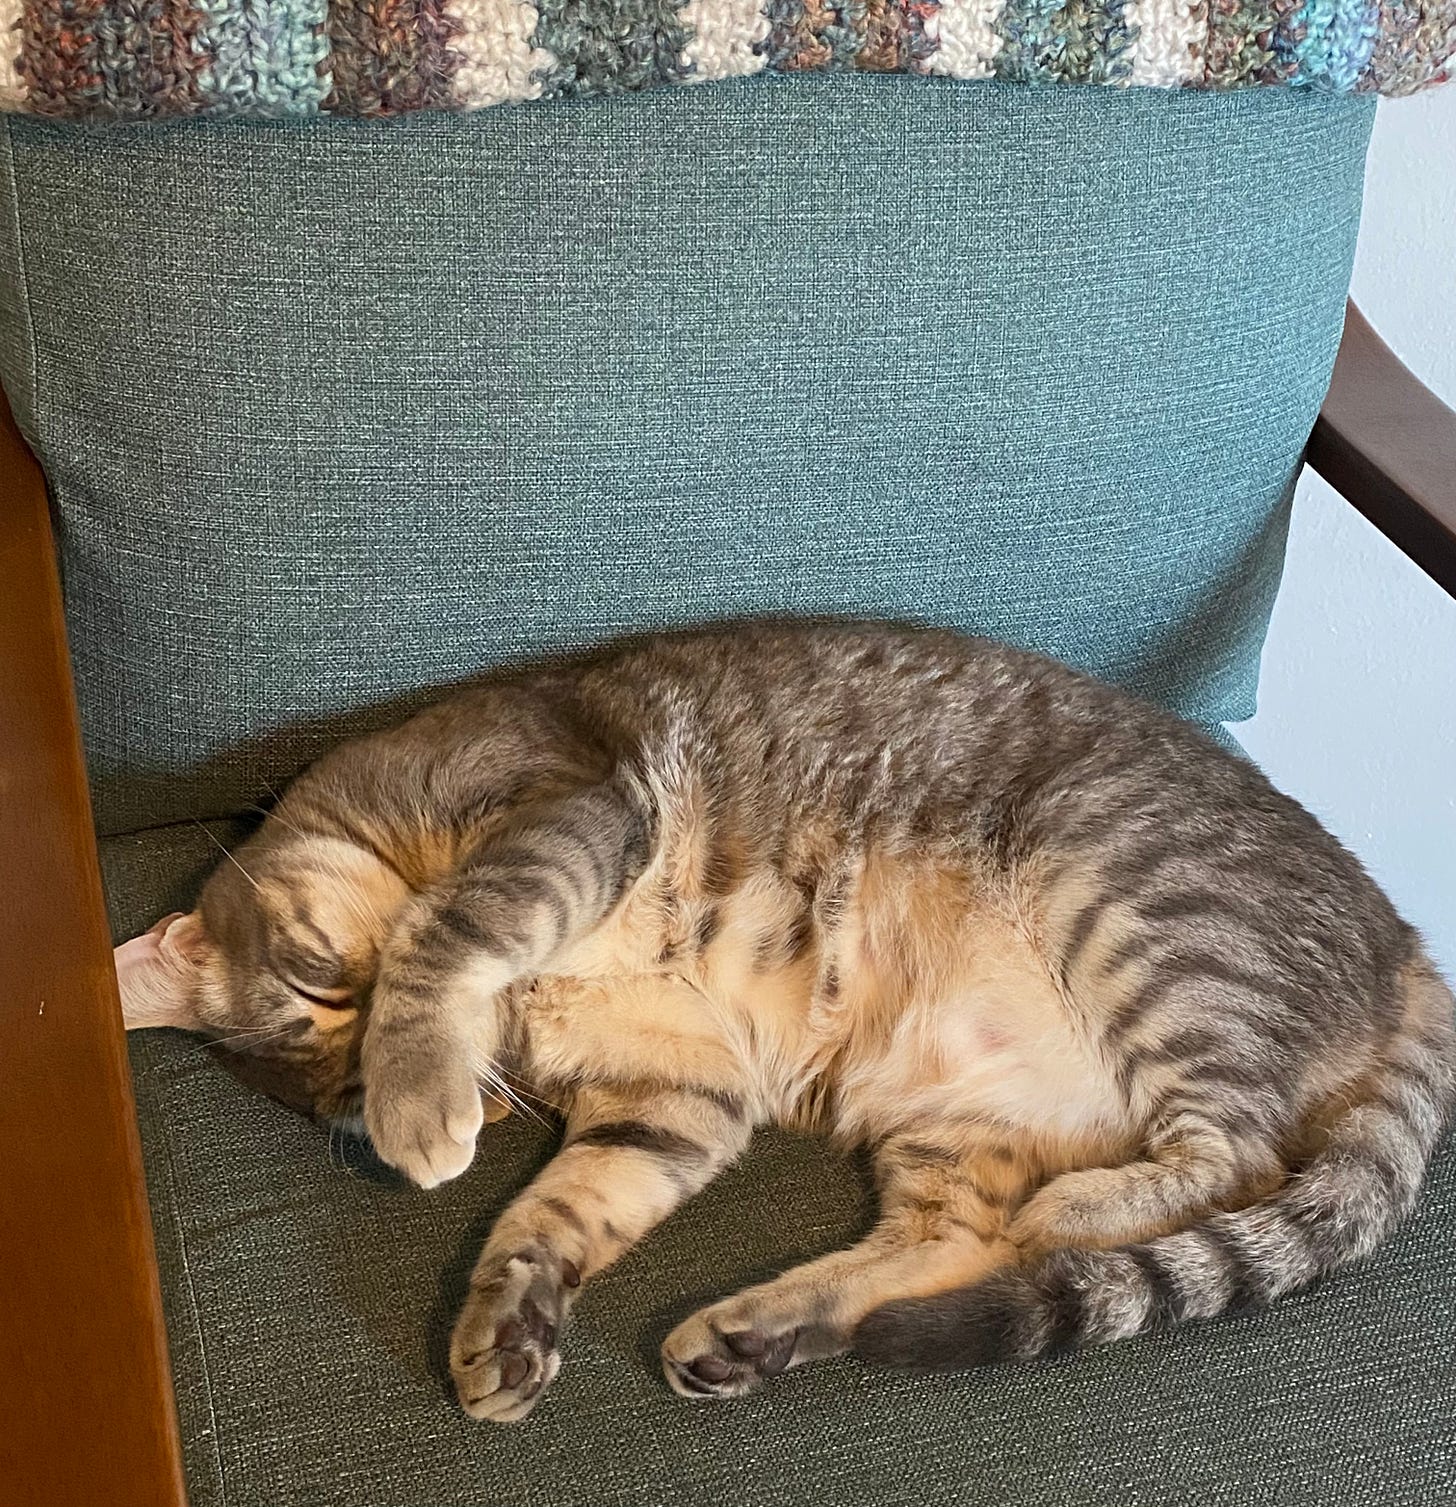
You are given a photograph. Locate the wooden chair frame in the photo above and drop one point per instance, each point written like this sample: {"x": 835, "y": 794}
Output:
{"x": 86, "y": 1406}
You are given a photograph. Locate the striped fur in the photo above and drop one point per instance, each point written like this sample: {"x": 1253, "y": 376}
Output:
{"x": 1334, "y": 1210}
{"x": 1130, "y": 1039}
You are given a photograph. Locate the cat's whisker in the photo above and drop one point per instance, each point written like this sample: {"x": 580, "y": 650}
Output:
{"x": 496, "y": 1082}
{"x": 503, "y": 1090}
{"x": 517, "y": 1093}
{"x": 273, "y": 814}
{"x": 222, "y": 848}
{"x": 336, "y": 1128}
{"x": 243, "y": 1046}
{"x": 271, "y": 1028}
{"x": 246, "y": 1040}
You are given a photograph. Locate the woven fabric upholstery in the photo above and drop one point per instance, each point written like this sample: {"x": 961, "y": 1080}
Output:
{"x": 309, "y": 1298}
{"x": 337, "y": 413}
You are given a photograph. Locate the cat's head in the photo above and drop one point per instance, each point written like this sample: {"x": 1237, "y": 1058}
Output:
{"x": 275, "y": 965}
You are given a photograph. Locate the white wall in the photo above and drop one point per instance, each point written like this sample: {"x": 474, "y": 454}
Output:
{"x": 1357, "y": 701}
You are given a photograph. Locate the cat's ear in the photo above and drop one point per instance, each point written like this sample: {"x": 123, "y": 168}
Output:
{"x": 160, "y": 974}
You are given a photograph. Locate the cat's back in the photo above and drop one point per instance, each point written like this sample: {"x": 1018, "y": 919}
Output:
{"x": 913, "y": 738}
{"x": 868, "y": 713}
{"x": 879, "y": 732}
{"x": 856, "y": 685}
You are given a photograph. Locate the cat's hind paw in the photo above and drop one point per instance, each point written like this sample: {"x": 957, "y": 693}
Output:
{"x": 703, "y": 1360}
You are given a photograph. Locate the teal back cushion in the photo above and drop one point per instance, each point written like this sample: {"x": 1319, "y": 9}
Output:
{"x": 337, "y": 413}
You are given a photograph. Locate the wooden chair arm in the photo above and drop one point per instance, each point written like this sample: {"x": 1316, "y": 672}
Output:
{"x": 86, "y": 1407}
{"x": 1387, "y": 444}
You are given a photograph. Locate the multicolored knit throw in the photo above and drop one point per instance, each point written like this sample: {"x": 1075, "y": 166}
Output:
{"x": 136, "y": 59}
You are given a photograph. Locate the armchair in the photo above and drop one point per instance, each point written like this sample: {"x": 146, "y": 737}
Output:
{"x": 86, "y": 1385}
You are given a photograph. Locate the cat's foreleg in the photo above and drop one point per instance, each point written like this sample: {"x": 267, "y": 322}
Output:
{"x": 549, "y": 875}
{"x": 943, "y": 1225}
{"x": 631, "y": 1156}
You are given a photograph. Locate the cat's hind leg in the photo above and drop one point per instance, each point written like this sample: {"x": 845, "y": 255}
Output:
{"x": 632, "y": 1154}
{"x": 944, "y": 1212}
{"x": 1192, "y": 1163}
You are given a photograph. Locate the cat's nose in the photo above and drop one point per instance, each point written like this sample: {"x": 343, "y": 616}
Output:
{"x": 268, "y": 1076}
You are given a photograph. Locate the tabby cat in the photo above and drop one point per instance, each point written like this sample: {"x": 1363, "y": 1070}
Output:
{"x": 1131, "y": 1039}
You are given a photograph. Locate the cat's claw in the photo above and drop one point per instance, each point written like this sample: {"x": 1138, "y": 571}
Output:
{"x": 503, "y": 1352}
{"x": 702, "y": 1360}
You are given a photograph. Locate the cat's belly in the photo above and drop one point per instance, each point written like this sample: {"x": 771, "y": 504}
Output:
{"x": 988, "y": 1041}
{"x": 654, "y": 993}
{"x": 981, "y": 1056}
{"x": 928, "y": 1003}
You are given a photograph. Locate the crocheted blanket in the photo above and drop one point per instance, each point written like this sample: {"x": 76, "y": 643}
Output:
{"x": 138, "y": 59}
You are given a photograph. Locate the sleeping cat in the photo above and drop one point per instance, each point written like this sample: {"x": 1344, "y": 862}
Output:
{"x": 1131, "y": 1039}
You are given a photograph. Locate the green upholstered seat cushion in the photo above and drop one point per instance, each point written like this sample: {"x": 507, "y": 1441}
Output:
{"x": 309, "y": 1299}
{"x": 337, "y": 412}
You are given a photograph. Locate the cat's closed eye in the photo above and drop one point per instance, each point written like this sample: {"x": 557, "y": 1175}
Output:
{"x": 339, "y": 998}
{"x": 329, "y": 1009}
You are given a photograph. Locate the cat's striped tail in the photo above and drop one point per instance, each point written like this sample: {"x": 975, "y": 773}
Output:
{"x": 1336, "y": 1210}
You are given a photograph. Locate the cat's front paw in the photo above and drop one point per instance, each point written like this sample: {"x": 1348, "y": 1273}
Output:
{"x": 422, "y": 1105}
{"x": 503, "y": 1352}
